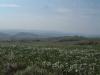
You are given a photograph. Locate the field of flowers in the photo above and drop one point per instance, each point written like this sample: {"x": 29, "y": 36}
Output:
{"x": 29, "y": 59}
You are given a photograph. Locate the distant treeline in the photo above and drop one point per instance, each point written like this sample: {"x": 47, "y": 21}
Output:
{"x": 77, "y": 39}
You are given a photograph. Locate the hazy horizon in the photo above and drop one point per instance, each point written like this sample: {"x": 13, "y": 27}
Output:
{"x": 70, "y": 16}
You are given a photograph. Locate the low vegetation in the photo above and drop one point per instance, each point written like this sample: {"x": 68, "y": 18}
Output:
{"x": 45, "y": 58}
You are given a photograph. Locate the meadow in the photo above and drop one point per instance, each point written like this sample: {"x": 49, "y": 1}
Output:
{"x": 48, "y": 58}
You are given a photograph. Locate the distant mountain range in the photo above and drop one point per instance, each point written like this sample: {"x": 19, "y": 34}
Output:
{"x": 33, "y": 35}
{"x": 28, "y": 35}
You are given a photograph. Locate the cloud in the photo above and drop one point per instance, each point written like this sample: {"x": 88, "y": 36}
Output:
{"x": 9, "y": 5}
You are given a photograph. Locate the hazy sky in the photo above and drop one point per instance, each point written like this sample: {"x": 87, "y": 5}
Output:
{"x": 82, "y": 16}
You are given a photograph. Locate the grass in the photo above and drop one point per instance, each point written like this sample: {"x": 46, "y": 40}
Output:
{"x": 47, "y": 58}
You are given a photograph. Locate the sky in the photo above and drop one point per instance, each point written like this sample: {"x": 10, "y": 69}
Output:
{"x": 74, "y": 16}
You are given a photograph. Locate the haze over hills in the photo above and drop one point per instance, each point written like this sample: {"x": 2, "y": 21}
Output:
{"x": 27, "y": 34}
{"x": 35, "y": 34}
